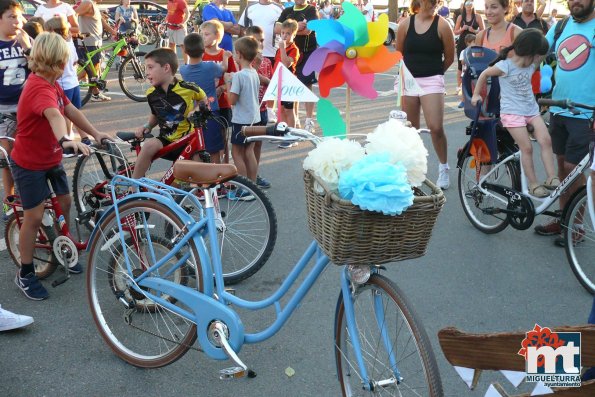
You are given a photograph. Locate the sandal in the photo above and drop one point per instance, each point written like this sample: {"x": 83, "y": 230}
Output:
{"x": 539, "y": 191}
{"x": 552, "y": 183}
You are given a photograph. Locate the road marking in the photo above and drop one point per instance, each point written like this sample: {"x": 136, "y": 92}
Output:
{"x": 2, "y": 245}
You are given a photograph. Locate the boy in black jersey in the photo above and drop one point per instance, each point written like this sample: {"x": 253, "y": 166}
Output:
{"x": 171, "y": 101}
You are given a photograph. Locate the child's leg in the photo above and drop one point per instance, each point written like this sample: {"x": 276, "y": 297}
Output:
{"x": 145, "y": 157}
{"x": 257, "y": 150}
{"x": 7, "y": 182}
{"x": 289, "y": 117}
{"x": 545, "y": 141}
{"x": 521, "y": 137}
{"x": 216, "y": 157}
{"x": 250, "y": 161}
{"x": 28, "y": 235}
{"x": 237, "y": 152}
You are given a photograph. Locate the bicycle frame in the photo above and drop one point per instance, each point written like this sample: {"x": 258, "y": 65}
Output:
{"x": 207, "y": 307}
{"x": 117, "y": 47}
{"x": 192, "y": 143}
{"x": 545, "y": 202}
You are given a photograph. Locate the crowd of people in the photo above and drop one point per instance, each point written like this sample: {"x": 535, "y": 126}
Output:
{"x": 232, "y": 76}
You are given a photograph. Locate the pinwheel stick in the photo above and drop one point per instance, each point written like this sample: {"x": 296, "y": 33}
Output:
{"x": 348, "y": 110}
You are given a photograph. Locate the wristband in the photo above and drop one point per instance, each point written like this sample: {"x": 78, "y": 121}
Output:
{"x": 62, "y": 140}
{"x": 148, "y": 126}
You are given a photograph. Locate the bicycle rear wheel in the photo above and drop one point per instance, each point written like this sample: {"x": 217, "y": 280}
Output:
{"x": 43, "y": 255}
{"x": 133, "y": 78}
{"x": 384, "y": 319}
{"x": 247, "y": 229}
{"x": 89, "y": 182}
{"x": 145, "y": 334}
{"x": 485, "y": 212}
{"x": 579, "y": 241}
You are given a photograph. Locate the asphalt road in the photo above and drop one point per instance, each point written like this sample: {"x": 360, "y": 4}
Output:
{"x": 480, "y": 283}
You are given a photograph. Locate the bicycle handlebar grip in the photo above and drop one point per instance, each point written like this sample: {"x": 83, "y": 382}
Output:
{"x": 551, "y": 102}
{"x": 254, "y": 130}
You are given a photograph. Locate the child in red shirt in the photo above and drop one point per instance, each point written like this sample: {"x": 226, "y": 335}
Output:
{"x": 288, "y": 54}
{"x": 37, "y": 153}
{"x": 212, "y": 34}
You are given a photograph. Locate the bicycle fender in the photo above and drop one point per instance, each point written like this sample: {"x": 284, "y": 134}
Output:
{"x": 185, "y": 217}
{"x": 205, "y": 309}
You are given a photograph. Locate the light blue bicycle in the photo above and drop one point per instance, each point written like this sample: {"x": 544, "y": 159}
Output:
{"x": 152, "y": 292}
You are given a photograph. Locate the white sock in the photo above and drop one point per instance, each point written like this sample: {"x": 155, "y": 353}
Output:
{"x": 444, "y": 167}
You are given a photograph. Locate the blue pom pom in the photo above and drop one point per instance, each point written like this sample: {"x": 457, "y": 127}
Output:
{"x": 547, "y": 71}
{"x": 546, "y": 85}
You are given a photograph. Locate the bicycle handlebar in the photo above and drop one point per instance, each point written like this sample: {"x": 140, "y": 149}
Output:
{"x": 565, "y": 104}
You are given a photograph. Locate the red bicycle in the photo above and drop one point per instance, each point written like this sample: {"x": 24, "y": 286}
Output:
{"x": 246, "y": 220}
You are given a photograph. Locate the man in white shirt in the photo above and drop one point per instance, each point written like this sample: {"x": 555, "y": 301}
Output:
{"x": 368, "y": 10}
{"x": 264, "y": 14}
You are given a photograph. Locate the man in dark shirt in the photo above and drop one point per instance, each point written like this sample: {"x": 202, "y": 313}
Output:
{"x": 305, "y": 40}
{"x": 527, "y": 18}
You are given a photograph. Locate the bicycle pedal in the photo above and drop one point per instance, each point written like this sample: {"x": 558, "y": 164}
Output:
{"x": 232, "y": 373}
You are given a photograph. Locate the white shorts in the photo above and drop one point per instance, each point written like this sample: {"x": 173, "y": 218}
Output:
{"x": 176, "y": 36}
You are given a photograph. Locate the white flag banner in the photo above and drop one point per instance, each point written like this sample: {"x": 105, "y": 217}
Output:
{"x": 292, "y": 90}
{"x": 466, "y": 374}
{"x": 492, "y": 392}
{"x": 514, "y": 377}
{"x": 410, "y": 86}
{"x": 541, "y": 389}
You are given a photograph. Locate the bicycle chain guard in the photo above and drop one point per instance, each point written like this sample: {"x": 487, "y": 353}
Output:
{"x": 520, "y": 211}
{"x": 65, "y": 251}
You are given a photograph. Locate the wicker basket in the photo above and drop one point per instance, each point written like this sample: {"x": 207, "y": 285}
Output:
{"x": 350, "y": 235}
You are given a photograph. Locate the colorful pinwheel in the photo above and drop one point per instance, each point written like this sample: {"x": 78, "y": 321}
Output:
{"x": 351, "y": 51}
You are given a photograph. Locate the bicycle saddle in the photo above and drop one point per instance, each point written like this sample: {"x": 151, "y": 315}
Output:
{"x": 202, "y": 173}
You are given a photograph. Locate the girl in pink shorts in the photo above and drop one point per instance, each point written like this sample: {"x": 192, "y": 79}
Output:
{"x": 518, "y": 108}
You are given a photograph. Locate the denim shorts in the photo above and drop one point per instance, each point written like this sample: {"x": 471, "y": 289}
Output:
{"x": 32, "y": 185}
{"x": 74, "y": 96}
{"x": 237, "y": 138}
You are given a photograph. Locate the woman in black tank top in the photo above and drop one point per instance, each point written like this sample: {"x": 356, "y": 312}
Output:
{"x": 469, "y": 22}
{"x": 427, "y": 43}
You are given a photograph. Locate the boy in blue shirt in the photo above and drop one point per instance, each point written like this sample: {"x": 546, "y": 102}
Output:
{"x": 204, "y": 74}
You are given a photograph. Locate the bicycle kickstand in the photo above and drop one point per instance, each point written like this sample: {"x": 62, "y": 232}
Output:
{"x": 219, "y": 333}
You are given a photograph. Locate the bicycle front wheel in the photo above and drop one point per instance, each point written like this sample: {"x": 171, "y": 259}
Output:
{"x": 579, "y": 241}
{"x": 485, "y": 212}
{"x": 43, "y": 254}
{"x": 396, "y": 350}
{"x": 138, "y": 329}
{"x": 247, "y": 228}
{"x": 133, "y": 77}
{"x": 92, "y": 173}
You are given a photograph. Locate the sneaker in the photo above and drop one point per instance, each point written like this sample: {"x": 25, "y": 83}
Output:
{"x": 86, "y": 141}
{"x": 31, "y": 286}
{"x": 6, "y": 211}
{"x": 75, "y": 269}
{"x": 262, "y": 183}
{"x": 100, "y": 98}
{"x": 10, "y": 320}
{"x": 551, "y": 228}
{"x": 461, "y": 105}
{"x": 578, "y": 236}
{"x": 309, "y": 126}
{"x": 68, "y": 153}
{"x": 287, "y": 145}
{"x": 443, "y": 181}
{"x": 222, "y": 192}
{"x": 239, "y": 195}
